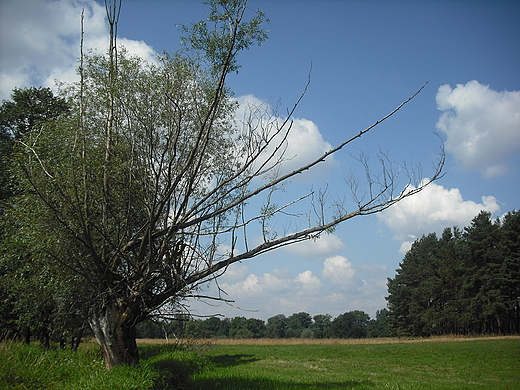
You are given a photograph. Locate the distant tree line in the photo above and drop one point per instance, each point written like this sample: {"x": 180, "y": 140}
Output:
{"x": 353, "y": 324}
{"x": 465, "y": 282}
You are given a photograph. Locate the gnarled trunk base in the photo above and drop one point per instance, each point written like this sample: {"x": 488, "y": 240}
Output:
{"x": 114, "y": 327}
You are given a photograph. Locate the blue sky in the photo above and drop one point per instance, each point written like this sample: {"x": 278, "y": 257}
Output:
{"x": 367, "y": 57}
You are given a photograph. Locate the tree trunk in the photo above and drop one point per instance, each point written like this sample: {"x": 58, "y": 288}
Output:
{"x": 114, "y": 327}
{"x": 45, "y": 338}
{"x": 27, "y": 335}
{"x": 76, "y": 340}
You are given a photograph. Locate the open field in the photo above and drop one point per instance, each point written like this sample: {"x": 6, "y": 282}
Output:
{"x": 483, "y": 364}
{"x": 438, "y": 363}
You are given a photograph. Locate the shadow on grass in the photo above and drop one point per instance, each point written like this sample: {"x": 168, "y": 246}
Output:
{"x": 238, "y": 383}
{"x": 231, "y": 360}
{"x": 174, "y": 374}
{"x": 177, "y": 373}
{"x": 149, "y": 351}
{"x": 174, "y": 365}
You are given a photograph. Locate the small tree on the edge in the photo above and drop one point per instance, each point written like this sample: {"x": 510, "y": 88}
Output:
{"x": 149, "y": 177}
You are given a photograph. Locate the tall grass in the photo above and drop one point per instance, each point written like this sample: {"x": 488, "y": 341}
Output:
{"x": 30, "y": 367}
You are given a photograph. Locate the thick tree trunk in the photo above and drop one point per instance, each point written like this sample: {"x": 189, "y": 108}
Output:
{"x": 114, "y": 327}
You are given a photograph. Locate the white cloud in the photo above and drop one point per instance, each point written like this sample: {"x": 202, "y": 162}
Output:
{"x": 310, "y": 283}
{"x": 304, "y": 142}
{"x": 325, "y": 245}
{"x": 406, "y": 245}
{"x": 227, "y": 250}
{"x": 431, "y": 210}
{"x": 250, "y": 287}
{"x": 340, "y": 272}
{"x": 273, "y": 284}
{"x": 235, "y": 272}
{"x": 40, "y": 41}
{"x": 138, "y": 48}
{"x": 339, "y": 288}
{"x": 256, "y": 287}
{"x": 482, "y": 126}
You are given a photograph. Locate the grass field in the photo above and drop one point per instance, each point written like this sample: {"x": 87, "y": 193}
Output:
{"x": 482, "y": 364}
{"x": 450, "y": 363}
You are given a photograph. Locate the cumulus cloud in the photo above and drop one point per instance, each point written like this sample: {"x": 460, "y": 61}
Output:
{"x": 431, "y": 210}
{"x": 304, "y": 142}
{"x": 235, "y": 272}
{"x": 340, "y": 272}
{"x": 249, "y": 287}
{"x": 482, "y": 126}
{"x": 325, "y": 245}
{"x": 340, "y": 287}
{"x": 40, "y": 41}
{"x": 310, "y": 284}
{"x": 254, "y": 286}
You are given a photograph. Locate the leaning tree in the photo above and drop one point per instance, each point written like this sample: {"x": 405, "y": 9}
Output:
{"x": 150, "y": 176}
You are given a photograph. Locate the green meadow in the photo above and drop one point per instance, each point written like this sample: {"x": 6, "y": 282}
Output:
{"x": 453, "y": 364}
{"x": 429, "y": 365}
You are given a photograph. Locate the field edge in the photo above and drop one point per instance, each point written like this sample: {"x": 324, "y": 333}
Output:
{"x": 300, "y": 341}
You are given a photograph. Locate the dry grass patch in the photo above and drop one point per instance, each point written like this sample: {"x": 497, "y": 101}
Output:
{"x": 299, "y": 341}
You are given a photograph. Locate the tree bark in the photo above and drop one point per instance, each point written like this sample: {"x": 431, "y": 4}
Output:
{"x": 113, "y": 324}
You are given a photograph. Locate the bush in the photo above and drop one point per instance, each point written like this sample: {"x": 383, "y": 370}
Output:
{"x": 307, "y": 334}
{"x": 244, "y": 334}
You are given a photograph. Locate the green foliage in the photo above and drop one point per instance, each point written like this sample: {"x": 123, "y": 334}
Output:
{"x": 321, "y": 325}
{"x": 276, "y": 326}
{"x": 29, "y": 107}
{"x": 307, "y": 334}
{"x": 33, "y": 297}
{"x": 379, "y": 327}
{"x": 47, "y": 299}
{"x": 297, "y": 323}
{"x": 350, "y": 325}
{"x": 353, "y": 324}
{"x": 224, "y": 34}
{"x": 155, "y": 329}
{"x": 461, "y": 283}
